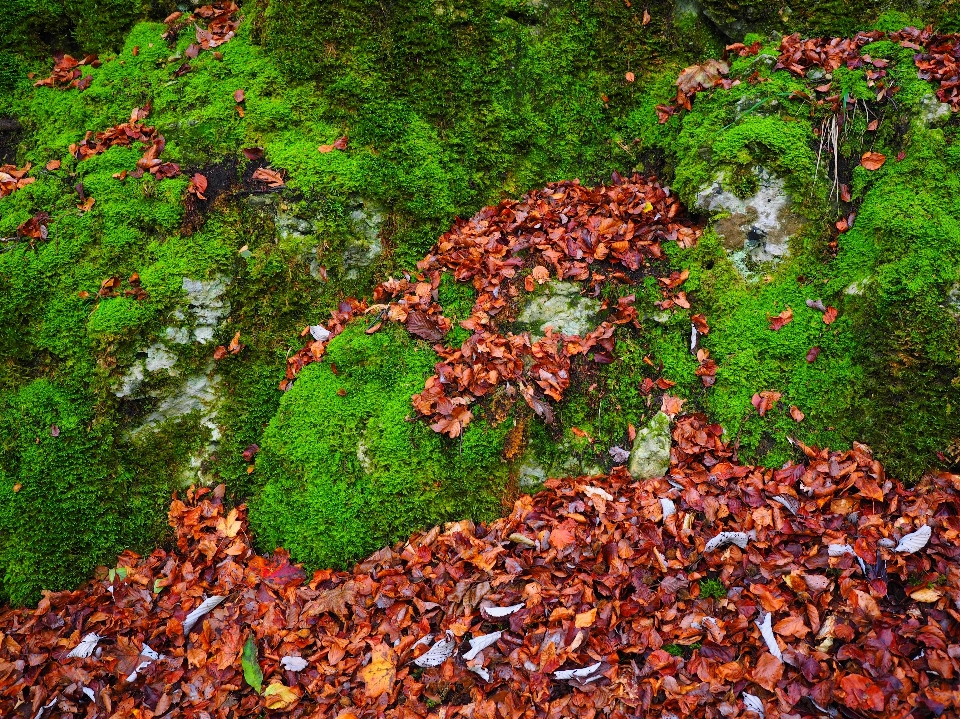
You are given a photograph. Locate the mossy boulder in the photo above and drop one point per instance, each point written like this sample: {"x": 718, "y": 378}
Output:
{"x": 447, "y": 107}
{"x": 346, "y": 467}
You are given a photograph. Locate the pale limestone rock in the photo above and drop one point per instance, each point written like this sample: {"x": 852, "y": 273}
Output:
{"x": 651, "y": 449}
{"x": 561, "y": 306}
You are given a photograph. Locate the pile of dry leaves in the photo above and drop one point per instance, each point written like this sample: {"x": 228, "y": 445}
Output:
{"x": 13, "y": 178}
{"x": 126, "y": 134}
{"x": 818, "y": 590}
{"x": 597, "y": 236}
{"x": 936, "y": 59}
{"x": 220, "y": 19}
{"x": 68, "y": 72}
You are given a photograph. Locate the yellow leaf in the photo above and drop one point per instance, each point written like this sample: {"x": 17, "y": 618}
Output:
{"x": 279, "y": 697}
{"x": 925, "y": 595}
{"x": 585, "y": 619}
{"x": 380, "y": 673}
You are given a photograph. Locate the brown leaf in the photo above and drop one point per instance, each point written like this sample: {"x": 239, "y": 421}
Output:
{"x": 646, "y": 17}
{"x": 796, "y": 413}
{"x": 629, "y": 76}
{"x": 700, "y": 322}
{"x": 764, "y": 401}
{"x": 424, "y": 326}
{"x": 671, "y": 406}
{"x": 238, "y": 96}
{"x": 873, "y": 160}
{"x": 768, "y": 671}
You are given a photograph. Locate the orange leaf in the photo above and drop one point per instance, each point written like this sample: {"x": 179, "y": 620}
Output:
{"x": 768, "y": 671}
{"x": 630, "y": 77}
{"x": 830, "y": 315}
{"x": 873, "y": 160}
{"x": 778, "y": 322}
{"x": 585, "y": 619}
{"x": 796, "y": 413}
{"x": 671, "y": 405}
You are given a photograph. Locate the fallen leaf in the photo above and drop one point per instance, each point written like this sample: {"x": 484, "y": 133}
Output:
{"x": 629, "y": 76}
{"x": 778, "y": 322}
{"x": 873, "y": 160}
{"x": 252, "y": 673}
{"x": 239, "y": 96}
{"x": 279, "y": 697}
{"x": 830, "y": 315}
{"x": 796, "y": 413}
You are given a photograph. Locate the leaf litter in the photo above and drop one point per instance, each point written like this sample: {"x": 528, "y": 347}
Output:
{"x": 599, "y": 236}
{"x": 840, "y": 596}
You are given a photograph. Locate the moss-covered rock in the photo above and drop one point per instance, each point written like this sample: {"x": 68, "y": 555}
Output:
{"x": 446, "y": 107}
{"x": 347, "y": 468}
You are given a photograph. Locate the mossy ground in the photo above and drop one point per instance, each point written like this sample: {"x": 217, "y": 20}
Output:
{"x": 448, "y": 107}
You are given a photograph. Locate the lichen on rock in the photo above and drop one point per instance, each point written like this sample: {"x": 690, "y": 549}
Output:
{"x": 650, "y": 454}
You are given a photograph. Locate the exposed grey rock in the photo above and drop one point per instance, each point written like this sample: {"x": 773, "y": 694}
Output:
{"x": 857, "y": 288}
{"x": 291, "y": 227}
{"x": 932, "y": 110}
{"x": 156, "y": 358}
{"x": 364, "y": 246}
{"x": 651, "y": 449}
{"x": 561, "y": 306}
{"x": 532, "y": 472}
{"x": 363, "y": 456}
{"x": 953, "y": 299}
{"x": 205, "y": 308}
{"x": 755, "y": 229}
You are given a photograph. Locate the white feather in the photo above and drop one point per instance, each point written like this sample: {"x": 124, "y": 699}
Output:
{"x": 565, "y": 674}
{"x": 148, "y": 655}
{"x": 500, "y": 612}
{"x": 838, "y": 550}
{"x": 293, "y": 664}
{"x": 787, "y": 501}
{"x": 438, "y": 653}
{"x": 915, "y": 541}
{"x": 480, "y": 672}
{"x": 668, "y": 507}
{"x": 753, "y": 704}
{"x": 205, "y": 606}
{"x": 319, "y": 333}
{"x": 592, "y": 491}
{"x": 725, "y": 538}
{"x": 766, "y": 631}
{"x": 478, "y": 644}
{"x": 86, "y": 646}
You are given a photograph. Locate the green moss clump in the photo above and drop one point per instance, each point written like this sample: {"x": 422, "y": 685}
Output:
{"x": 65, "y": 505}
{"x": 345, "y": 468}
{"x": 712, "y": 588}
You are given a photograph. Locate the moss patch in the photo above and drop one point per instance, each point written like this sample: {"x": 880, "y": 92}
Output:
{"x": 347, "y": 469}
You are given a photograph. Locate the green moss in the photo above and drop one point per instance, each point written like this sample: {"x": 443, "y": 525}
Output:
{"x": 345, "y": 467}
{"x": 674, "y": 650}
{"x": 712, "y": 588}
{"x": 65, "y": 506}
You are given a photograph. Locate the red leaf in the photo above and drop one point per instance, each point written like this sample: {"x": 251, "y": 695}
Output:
{"x": 778, "y": 322}
{"x": 830, "y": 315}
{"x": 238, "y": 96}
{"x": 812, "y": 353}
